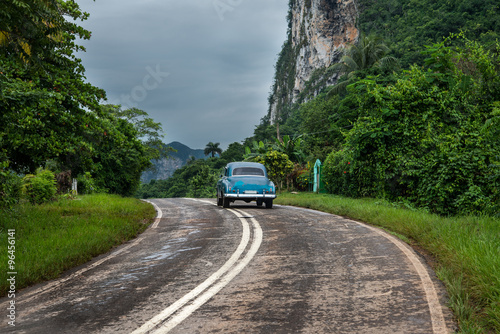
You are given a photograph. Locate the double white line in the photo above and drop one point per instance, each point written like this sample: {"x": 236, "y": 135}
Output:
{"x": 184, "y": 307}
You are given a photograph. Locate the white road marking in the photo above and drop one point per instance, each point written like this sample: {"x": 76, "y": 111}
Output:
{"x": 158, "y": 215}
{"x": 435, "y": 308}
{"x": 437, "y": 317}
{"x": 211, "y": 286}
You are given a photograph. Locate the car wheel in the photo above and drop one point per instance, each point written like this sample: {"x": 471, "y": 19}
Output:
{"x": 225, "y": 202}
{"x": 269, "y": 204}
{"x": 219, "y": 199}
{"x": 259, "y": 202}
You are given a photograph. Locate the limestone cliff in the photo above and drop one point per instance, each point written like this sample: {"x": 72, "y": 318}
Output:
{"x": 318, "y": 29}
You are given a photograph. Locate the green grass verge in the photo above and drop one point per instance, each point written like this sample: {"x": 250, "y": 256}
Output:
{"x": 54, "y": 237}
{"x": 466, "y": 250}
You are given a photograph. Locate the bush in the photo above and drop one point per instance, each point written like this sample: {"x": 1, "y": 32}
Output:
{"x": 41, "y": 187}
{"x": 278, "y": 166}
{"x": 10, "y": 188}
{"x": 86, "y": 184}
{"x": 431, "y": 138}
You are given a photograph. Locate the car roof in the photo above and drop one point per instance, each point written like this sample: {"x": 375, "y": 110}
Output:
{"x": 233, "y": 165}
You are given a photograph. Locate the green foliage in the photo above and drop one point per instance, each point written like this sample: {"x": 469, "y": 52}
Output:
{"x": 278, "y": 166}
{"x": 120, "y": 150}
{"x": 291, "y": 147}
{"x": 41, "y": 187}
{"x": 367, "y": 52}
{"x": 212, "y": 149}
{"x": 148, "y": 131}
{"x": 234, "y": 152}
{"x": 197, "y": 179}
{"x": 59, "y": 235}
{"x": 424, "y": 139}
{"x": 86, "y": 184}
{"x": 256, "y": 151}
{"x": 202, "y": 184}
{"x": 303, "y": 178}
{"x": 50, "y": 112}
{"x": 45, "y": 99}
{"x": 410, "y": 25}
{"x": 10, "y": 186}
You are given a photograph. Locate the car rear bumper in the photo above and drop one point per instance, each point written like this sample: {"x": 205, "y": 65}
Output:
{"x": 250, "y": 196}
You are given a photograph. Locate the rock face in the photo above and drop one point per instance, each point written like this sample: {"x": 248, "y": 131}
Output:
{"x": 319, "y": 32}
{"x": 319, "y": 29}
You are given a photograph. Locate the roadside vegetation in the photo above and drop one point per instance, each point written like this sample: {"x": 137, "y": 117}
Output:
{"x": 465, "y": 249}
{"x": 52, "y": 118}
{"x": 59, "y": 235}
{"x": 56, "y": 128}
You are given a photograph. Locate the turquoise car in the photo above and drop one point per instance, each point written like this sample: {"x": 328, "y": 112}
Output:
{"x": 245, "y": 181}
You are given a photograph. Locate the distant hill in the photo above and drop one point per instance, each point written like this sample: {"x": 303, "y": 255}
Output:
{"x": 184, "y": 152}
{"x": 166, "y": 167}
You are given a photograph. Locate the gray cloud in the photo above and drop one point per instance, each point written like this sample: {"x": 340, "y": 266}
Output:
{"x": 219, "y": 56}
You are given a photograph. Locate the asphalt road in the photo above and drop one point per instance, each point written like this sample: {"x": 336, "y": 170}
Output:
{"x": 204, "y": 269}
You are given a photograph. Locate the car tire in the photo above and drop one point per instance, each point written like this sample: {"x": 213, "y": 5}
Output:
{"x": 225, "y": 202}
{"x": 269, "y": 204}
{"x": 219, "y": 199}
{"x": 259, "y": 202}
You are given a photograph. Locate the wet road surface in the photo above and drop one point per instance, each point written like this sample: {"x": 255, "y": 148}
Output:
{"x": 205, "y": 269}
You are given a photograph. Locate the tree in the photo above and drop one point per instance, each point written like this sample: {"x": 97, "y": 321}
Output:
{"x": 212, "y": 148}
{"x": 234, "y": 152}
{"x": 278, "y": 166}
{"x": 149, "y": 131}
{"x": 202, "y": 184}
{"x": 30, "y": 29}
{"x": 45, "y": 100}
{"x": 119, "y": 157}
{"x": 291, "y": 147}
{"x": 429, "y": 138}
{"x": 257, "y": 150}
{"x": 368, "y": 51}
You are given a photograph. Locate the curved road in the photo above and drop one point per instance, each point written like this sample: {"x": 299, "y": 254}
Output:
{"x": 204, "y": 269}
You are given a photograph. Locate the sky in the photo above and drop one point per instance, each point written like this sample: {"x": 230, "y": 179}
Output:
{"x": 202, "y": 68}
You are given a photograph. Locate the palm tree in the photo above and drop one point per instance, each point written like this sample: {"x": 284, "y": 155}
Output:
{"x": 212, "y": 148}
{"x": 367, "y": 52}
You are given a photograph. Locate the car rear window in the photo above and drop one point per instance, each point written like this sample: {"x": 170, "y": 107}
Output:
{"x": 248, "y": 171}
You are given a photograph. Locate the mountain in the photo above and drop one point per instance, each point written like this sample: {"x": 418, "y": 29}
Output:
{"x": 184, "y": 152}
{"x": 164, "y": 168}
{"x": 318, "y": 30}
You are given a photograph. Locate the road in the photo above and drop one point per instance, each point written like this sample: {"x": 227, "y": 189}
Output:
{"x": 204, "y": 269}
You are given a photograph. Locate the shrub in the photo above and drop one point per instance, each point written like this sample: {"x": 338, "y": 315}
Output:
{"x": 278, "y": 166}
{"x": 41, "y": 187}
{"x": 86, "y": 184}
{"x": 431, "y": 138}
{"x": 10, "y": 188}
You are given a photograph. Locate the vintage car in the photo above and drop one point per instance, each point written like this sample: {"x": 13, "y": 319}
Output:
{"x": 246, "y": 181}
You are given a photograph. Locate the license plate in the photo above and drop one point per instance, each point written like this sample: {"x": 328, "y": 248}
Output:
{"x": 251, "y": 192}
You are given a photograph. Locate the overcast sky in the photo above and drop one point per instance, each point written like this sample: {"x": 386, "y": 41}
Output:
{"x": 202, "y": 68}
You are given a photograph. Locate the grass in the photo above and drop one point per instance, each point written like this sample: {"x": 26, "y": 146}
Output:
{"x": 466, "y": 250}
{"x": 56, "y": 236}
